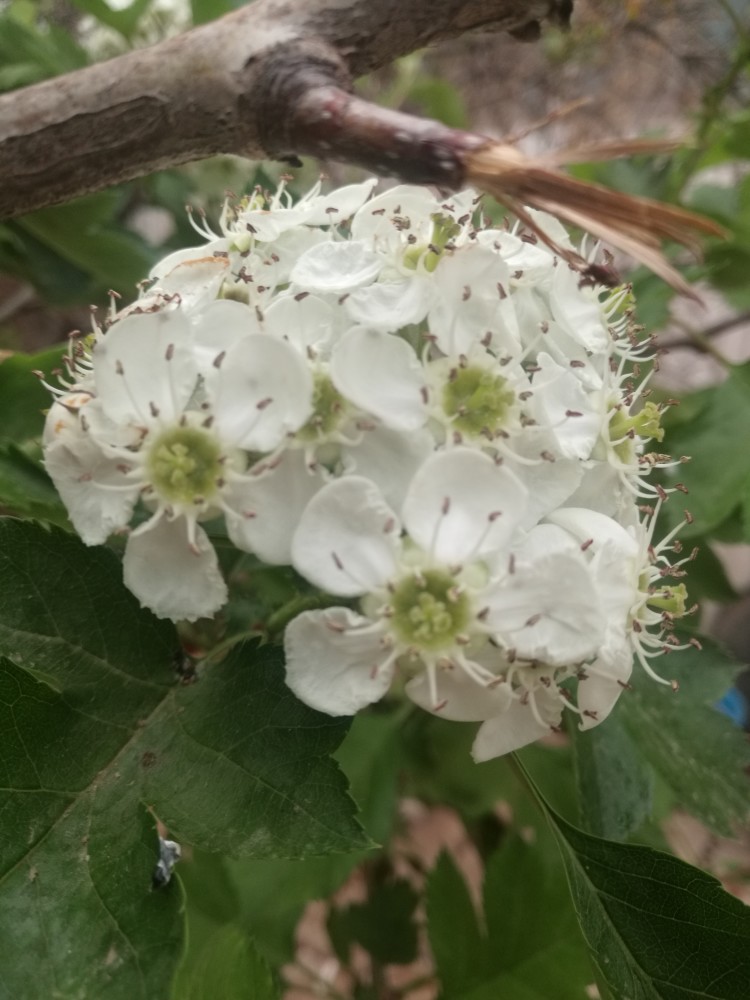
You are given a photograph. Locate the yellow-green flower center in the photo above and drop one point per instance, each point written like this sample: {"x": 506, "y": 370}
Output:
{"x": 478, "y": 400}
{"x": 673, "y": 600}
{"x": 329, "y": 410}
{"x": 443, "y": 231}
{"x": 645, "y": 424}
{"x": 184, "y": 465}
{"x": 429, "y": 611}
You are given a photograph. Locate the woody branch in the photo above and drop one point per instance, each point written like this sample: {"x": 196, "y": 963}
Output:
{"x": 271, "y": 80}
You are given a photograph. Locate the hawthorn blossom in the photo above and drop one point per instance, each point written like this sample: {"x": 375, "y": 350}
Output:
{"x": 433, "y": 419}
{"x": 155, "y": 433}
{"x": 439, "y": 600}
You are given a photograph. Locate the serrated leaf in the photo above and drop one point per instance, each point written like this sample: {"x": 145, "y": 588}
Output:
{"x": 231, "y": 968}
{"x": 658, "y": 928}
{"x": 94, "y": 726}
{"x": 613, "y": 780}
{"x": 696, "y": 749}
{"x": 457, "y": 943}
{"x": 370, "y": 757}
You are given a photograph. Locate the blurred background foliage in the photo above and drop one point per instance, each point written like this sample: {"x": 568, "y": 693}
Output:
{"x": 384, "y": 922}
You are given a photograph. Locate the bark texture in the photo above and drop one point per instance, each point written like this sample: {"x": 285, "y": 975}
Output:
{"x": 267, "y": 81}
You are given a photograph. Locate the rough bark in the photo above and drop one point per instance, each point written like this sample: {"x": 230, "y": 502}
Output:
{"x": 267, "y": 81}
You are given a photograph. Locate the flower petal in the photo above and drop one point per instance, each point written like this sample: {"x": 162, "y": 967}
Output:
{"x": 461, "y": 506}
{"x": 308, "y": 323}
{"x": 599, "y": 691}
{"x": 391, "y": 305}
{"x": 381, "y": 375}
{"x": 144, "y": 365}
{"x": 98, "y": 497}
{"x": 168, "y": 576}
{"x": 347, "y": 541}
{"x": 459, "y": 698}
{"x": 335, "y": 661}
{"x": 216, "y": 328}
{"x": 516, "y": 727}
{"x": 263, "y": 392}
{"x": 563, "y": 408}
{"x": 390, "y": 459}
{"x": 262, "y": 512}
{"x": 336, "y": 267}
{"x": 547, "y": 610}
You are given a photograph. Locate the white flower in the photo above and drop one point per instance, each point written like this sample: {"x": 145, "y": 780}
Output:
{"x": 441, "y": 598}
{"x": 153, "y": 432}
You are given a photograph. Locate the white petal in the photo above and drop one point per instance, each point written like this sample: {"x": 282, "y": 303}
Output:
{"x": 402, "y": 209}
{"x": 336, "y": 267}
{"x": 548, "y": 484}
{"x": 391, "y": 305}
{"x": 217, "y": 327}
{"x": 168, "y": 576}
{"x": 471, "y": 298}
{"x": 547, "y": 610}
{"x": 263, "y": 393}
{"x": 596, "y": 694}
{"x": 144, "y": 364}
{"x": 562, "y": 407}
{"x": 381, "y": 375}
{"x": 461, "y": 506}
{"x": 577, "y": 310}
{"x": 307, "y": 323}
{"x": 340, "y": 205}
{"x": 458, "y": 697}
{"x": 516, "y": 728}
{"x": 347, "y": 541}
{"x": 331, "y": 666}
{"x": 264, "y": 511}
{"x": 92, "y": 486}
{"x": 195, "y": 275}
{"x": 390, "y": 459}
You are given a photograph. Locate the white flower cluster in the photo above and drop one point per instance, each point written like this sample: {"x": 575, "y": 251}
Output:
{"x": 433, "y": 420}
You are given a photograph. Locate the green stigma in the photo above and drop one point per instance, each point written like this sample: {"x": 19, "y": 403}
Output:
{"x": 673, "y": 600}
{"x": 443, "y": 231}
{"x": 429, "y": 611}
{"x": 329, "y": 407}
{"x": 644, "y": 424}
{"x": 478, "y": 400}
{"x": 184, "y": 465}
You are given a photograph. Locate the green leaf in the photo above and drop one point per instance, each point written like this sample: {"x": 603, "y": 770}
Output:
{"x": 370, "y": 757}
{"x": 84, "y": 233}
{"x": 696, "y": 749}
{"x": 614, "y": 782}
{"x": 94, "y": 725}
{"x": 457, "y": 943}
{"x": 23, "y": 399}
{"x": 231, "y": 968}
{"x": 716, "y": 474}
{"x": 658, "y": 928}
{"x": 532, "y": 948}
{"x": 26, "y": 489}
{"x": 534, "y": 943}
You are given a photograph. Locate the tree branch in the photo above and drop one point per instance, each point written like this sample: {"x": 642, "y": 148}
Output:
{"x": 240, "y": 85}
